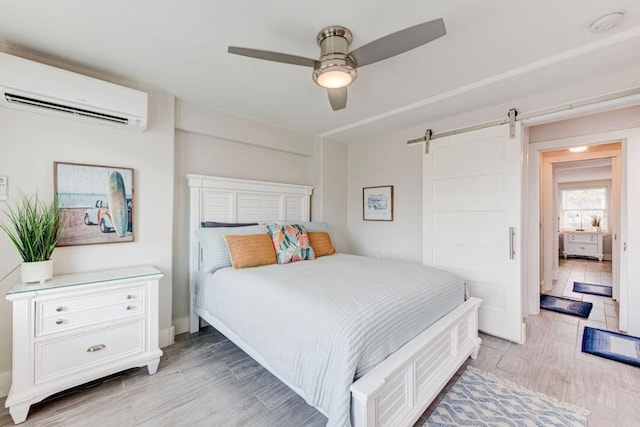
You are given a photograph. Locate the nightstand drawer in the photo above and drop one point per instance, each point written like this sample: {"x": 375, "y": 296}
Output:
{"x": 57, "y": 315}
{"x": 582, "y": 248}
{"x": 58, "y": 306}
{"x": 586, "y": 238}
{"x": 56, "y": 358}
{"x": 63, "y": 322}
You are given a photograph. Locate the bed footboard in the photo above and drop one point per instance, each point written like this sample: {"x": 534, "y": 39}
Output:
{"x": 401, "y": 388}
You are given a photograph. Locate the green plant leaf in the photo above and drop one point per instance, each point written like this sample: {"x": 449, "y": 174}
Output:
{"x": 34, "y": 227}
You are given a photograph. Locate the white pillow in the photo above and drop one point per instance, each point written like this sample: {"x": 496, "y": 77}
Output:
{"x": 308, "y": 225}
{"x": 215, "y": 254}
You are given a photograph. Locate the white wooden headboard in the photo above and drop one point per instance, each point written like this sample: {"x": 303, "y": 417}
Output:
{"x": 219, "y": 199}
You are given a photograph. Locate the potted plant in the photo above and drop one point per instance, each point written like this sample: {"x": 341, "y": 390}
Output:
{"x": 595, "y": 223}
{"x": 34, "y": 229}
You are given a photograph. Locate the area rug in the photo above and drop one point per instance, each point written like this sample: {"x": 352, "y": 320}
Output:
{"x": 611, "y": 345}
{"x": 589, "y": 288}
{"x": 566, "y": 306}
{"x": 481, "y": 399}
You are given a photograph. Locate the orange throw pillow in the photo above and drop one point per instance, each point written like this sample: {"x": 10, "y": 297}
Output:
{"x": 250, "y": 250}
{"x": 321, "y": 243}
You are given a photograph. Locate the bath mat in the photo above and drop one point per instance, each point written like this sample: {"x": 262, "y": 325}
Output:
{"x": 611, "y": 345}
{"x": 482, "y": 399}
{"x": 566, "y": 306}
{"x": 589, "y": 288}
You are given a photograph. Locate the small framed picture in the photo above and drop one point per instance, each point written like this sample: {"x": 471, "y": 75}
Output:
{"x": 377, "y": 203}
{"x": 96, "y": 203}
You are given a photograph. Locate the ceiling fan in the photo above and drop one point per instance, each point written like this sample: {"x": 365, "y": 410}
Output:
{"x": 337, "y": 67}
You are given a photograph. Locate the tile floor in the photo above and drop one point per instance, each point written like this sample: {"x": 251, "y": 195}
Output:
{"x": 552, "y": 362}
{"x": 604, "y": 314}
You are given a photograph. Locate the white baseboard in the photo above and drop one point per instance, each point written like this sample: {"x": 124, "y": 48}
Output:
{"x": 166, "y": 336}
{"x": 5, "y": 383}
{"x": 181, "y": 324}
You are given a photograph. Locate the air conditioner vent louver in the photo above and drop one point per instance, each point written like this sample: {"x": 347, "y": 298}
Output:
{"x": 23, "y": 100}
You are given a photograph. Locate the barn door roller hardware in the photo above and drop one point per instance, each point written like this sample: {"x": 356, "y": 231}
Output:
{"x": 513, "y": 113}
{"x": 426, "y": 138}
{"x": 429, "y": 135}
{"x": 608, "y": 102}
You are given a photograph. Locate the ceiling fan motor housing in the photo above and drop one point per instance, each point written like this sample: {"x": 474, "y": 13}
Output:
{"x": 334, "y": 44}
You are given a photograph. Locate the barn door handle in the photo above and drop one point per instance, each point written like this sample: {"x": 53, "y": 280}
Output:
{"x": 512, "y": 235}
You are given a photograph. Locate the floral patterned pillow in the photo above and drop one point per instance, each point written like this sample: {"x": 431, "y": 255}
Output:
{"x": 291, "y": 243}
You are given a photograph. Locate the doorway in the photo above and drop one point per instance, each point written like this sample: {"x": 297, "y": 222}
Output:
{"x": 585, "y": 218}
{"x": 562, "y": 173}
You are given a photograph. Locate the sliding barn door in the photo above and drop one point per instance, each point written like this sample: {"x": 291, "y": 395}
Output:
{"x": 472, "y": 209}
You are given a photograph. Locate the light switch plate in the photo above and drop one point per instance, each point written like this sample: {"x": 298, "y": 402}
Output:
{"x": 3, "y": 188}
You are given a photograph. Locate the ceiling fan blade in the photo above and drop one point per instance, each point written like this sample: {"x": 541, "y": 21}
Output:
{"x": 338, "y": 98}
{"x": 399, "y": 42}
{"x": 272, "y": 56}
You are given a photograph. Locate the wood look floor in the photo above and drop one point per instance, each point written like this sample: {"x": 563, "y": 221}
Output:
{"x": 205, "y": 380}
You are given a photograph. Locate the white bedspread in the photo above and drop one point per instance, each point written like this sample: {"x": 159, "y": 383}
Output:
{"x": 322, "y": 324}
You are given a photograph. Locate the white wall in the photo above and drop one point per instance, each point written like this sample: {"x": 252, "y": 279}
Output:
{"x": 588, "y": 125}
{"x": 331, "y": 191}
{"x": 194, "y": 119}
{"x": 600, "y": 173}
{"x": 387, "y": 160}
{"x": 30, "y": 143}
{"x": 213, "y": 143}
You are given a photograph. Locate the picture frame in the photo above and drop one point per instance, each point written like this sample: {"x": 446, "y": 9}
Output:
{"x": 377, "y": 203}
{"x": 96, "y": 203}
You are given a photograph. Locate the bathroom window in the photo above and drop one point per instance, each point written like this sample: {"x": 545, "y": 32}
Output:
{"x": 579, "y": 206}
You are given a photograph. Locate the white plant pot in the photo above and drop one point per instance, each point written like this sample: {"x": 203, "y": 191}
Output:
{"x": 36, "y": 272}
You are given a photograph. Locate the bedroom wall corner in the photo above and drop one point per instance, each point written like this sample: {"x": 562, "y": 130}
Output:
{"x": 210, "y": 142}
{"x": 329, "y": 202}
{"x": 32, "y": 142}
{"x": 387, "y": 160}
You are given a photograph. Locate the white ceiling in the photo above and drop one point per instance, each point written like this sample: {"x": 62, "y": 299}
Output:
{"x": 496, "y": 54}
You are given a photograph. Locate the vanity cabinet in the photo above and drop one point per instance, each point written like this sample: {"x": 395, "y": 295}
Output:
{"x": 584, "y": 244}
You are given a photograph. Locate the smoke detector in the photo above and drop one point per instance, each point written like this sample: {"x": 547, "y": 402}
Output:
{"x": 607, "y": 22}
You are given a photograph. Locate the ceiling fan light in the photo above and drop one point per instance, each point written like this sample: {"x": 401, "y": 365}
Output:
{"x": 334, "y": 74}
{"x": 334, "y": 79}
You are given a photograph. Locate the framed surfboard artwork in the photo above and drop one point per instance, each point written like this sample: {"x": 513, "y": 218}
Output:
{"x": 96, "y": 203}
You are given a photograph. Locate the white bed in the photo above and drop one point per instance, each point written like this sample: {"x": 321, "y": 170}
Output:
{"x": 393, "y": 392}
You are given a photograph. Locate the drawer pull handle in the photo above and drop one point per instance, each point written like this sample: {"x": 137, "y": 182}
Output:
{"x": 59, "y": 309}
{"x": 582, "y": 247}
{"x": 130, "y": 307}
{"x": 130, "y": 297}
{"x": 97, "y": 347}
{"x": 59, "y": 322}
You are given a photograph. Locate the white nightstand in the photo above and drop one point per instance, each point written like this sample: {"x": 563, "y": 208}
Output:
{"x": 76, "y": 328}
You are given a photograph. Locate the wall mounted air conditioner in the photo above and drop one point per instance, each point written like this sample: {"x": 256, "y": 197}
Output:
{"x": 40, "y": 88}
